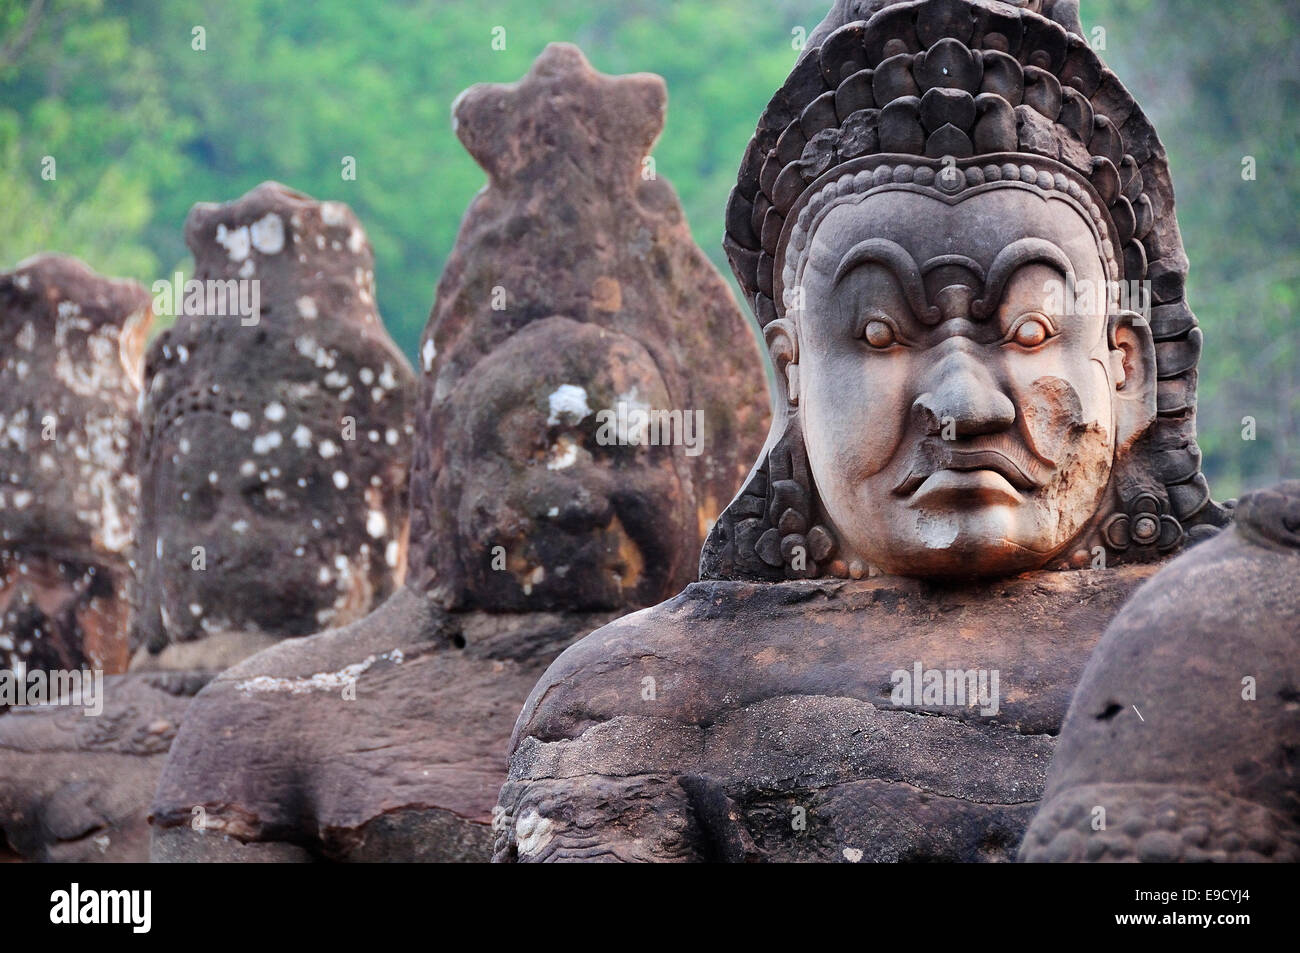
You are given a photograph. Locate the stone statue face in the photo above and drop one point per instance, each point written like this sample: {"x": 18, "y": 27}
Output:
{"x": 280, "y": 525}
{"x": 959, "y": 410}
{"x": 578, "y": 520}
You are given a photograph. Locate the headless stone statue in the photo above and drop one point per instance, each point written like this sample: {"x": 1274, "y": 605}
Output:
{"x": 540, "y": 511}
{"x": 956, "y": 229}
{"x": 273, "y": 471}
{"x": 71, "y": 346}
{"x": 1181, "y": 739}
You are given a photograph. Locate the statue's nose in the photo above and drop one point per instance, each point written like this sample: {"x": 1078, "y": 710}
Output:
{"x": 962, "y": 389}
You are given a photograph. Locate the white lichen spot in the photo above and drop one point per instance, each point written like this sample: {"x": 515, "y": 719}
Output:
{"x": 376, "y": 524}
{"x": 533, "y": 832}
{"x": 239, "y": 526}
{"x": 307, "y": 308}
{"x": 428, "y": 353}
{"x": 247, "y": 468}
{"x": 391, "y": 553}
{"x": 268, "y": 234}
{"x": 265, "y": 443}
{"x": 327, "y": 449}
{"x": 240, "y": 420}
{"x": 196, "y": 610}
{"x": 568, "y": 405}
{"x": 274, "y": 411}
{"x": 302, "y": 437}
{"x": 564, "y": 454}
{"x": 333, "y": 213}
{"x": 236, "y": 243}
{"x": 340, "y": 479}
{"x": 321, "y": 681}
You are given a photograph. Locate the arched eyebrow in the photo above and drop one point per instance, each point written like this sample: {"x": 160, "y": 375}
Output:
{"x": 970, "y": 264}
{"x": 881, "y": 251}
{"x": 1014, "y": 257}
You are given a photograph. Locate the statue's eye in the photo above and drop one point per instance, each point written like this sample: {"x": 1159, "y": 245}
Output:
{"x": 1031, "y": 331}
{"x": 879, "y": 335}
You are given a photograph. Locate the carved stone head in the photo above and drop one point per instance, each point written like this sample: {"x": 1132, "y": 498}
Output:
{"x": 957, "y": 230}
{"x": 71, "y": 347}
{"x": 277, "y": 445}
{"x": 575, "y": 301}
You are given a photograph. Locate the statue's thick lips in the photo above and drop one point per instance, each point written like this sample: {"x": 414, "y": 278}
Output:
{"x": 1012, "y": 475}
{"x": 951, "y": 488}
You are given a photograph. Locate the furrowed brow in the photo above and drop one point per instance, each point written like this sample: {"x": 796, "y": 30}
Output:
{"x": 881, "y": 251}
{"x": 1014, "y": 257}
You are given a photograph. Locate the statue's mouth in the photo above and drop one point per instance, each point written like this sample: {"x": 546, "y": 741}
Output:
{"x": 963, "y": 488}
{"x": 945, "y": 475}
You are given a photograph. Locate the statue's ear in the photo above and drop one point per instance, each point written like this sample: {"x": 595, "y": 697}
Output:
{"x": 1133, "y": 369}
{"x": 782, "y": 339}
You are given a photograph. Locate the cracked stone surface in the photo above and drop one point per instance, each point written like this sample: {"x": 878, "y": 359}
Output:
{"x": 744, "y": 721}
{"x": 382, "y": 740}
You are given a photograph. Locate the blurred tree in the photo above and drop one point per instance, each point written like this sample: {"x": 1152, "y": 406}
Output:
{"x": 148, "y": 107}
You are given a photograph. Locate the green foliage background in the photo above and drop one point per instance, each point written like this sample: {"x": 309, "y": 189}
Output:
{"x": 142, "y": 126}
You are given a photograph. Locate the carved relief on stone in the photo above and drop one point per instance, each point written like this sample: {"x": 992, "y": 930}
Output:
{"x": 939, "y": 223}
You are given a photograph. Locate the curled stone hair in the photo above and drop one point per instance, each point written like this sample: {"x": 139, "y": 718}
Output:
{"x": 947, "y": 95}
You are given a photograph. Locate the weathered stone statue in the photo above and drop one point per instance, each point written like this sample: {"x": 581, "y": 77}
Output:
{"x": 277, "y": 444}
{"x": 71, "y": 346}
{"x": 578, "y": 428}
{"x": 1181, "y": 740}
{"x": 273, "y": 474}
{"x": 942, "y": 222}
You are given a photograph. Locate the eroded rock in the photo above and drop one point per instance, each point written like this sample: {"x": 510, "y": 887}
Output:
{"x": 71, "y": 344}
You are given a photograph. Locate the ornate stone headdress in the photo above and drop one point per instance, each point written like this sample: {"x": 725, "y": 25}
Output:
{"x": 950, "y": 95}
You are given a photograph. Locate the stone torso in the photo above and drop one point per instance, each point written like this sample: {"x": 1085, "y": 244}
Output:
{"x": 746, "y": 721}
